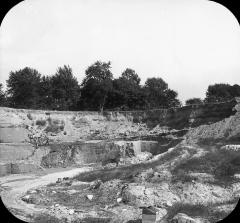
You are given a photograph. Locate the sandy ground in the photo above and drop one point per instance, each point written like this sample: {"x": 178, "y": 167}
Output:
{"x": 13, "y": 187}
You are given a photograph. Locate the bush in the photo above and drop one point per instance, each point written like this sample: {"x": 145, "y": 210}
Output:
{"x": 41, "y": 122}
{"x": 29, "y": 116}
{"x": 55, "y": 121}
{"x": 54, "y": 126}
{"x": 181, "y": 175}
{"x": 61, "y": 127}
{"x": 223, "y": 164}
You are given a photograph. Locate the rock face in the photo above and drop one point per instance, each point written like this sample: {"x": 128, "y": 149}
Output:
{"x": 118, "y": 124}
{"x": 104, "y": 152}
{"x": 187, "y": 116}
{"x": 18, "y": 158}
{"x": 66, "y": 154}
{"x": 13, "y": 135}
{"x": 113, "y": 154}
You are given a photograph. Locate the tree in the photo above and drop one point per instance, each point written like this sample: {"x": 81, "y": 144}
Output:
{"x": 131, "y": 76}
{"x": 221, "y": 92}
{"x": 65, "y": 89}
{"x": 96, "y": 86}
{"x": 159, "y": 95}
{"x": 155, "y": 88}
{"x": 46, "y": 100}
{"x": 171, "y": 99}
{"x": 22, "y": 88}
{"x": 193, "y": 101}
{"x": 127, "y": 93}
{"x": 235, "y": 90}
{"x": 2, "y": 95}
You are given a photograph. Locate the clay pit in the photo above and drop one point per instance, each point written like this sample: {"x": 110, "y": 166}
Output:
{"x": 92, "y": 167}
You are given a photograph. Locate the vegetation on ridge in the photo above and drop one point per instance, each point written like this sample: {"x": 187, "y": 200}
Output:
{"x": 27, "y": 88}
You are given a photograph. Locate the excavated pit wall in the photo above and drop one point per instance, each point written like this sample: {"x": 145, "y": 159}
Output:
{"x": 66, "y": 154}
{"x": 178, "y": 118}
{"x": 13, "y": 122}
{"x": 19, "y": 157}
{"x": 183, "y": 117}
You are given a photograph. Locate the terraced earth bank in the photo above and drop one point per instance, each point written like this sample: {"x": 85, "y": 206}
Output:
{"x": 92, "y": 167}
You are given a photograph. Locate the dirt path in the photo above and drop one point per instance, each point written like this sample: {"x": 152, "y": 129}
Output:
{"x": 15, "y": 186}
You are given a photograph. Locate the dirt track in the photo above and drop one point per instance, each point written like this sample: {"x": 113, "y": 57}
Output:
{"x": 13, "y": 187}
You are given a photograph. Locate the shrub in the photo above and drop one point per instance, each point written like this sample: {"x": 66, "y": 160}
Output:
{"x": 54, "y": 126}
{"x": 41, "y": 122}
{"x": 49, "y": 120}
{"x": 221, "y": 163}
{"x": 55, "y": 121}
{"x": 182, "y": 176}
{"x": 61, "y": 127}
{"x": 29, "y": 116}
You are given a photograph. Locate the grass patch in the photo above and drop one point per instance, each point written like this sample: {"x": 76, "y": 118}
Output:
{"x": 221, "y": 163}
{"x": 194, "y": 211}
{"x": 191, "y": 210}
{"x": 126, "y": 172}
{"x": 92, "y": 220}
{"x": 182, "y": 176}
{"x": 47, "y": 218}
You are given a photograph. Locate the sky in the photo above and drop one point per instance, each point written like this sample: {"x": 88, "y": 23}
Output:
{"x": 188, "y": 43}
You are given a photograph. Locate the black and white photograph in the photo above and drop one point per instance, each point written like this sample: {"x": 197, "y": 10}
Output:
{"x": 119, "y": 111}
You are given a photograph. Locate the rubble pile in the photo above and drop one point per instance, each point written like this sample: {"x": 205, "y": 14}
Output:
{"x": 37, "y": 137}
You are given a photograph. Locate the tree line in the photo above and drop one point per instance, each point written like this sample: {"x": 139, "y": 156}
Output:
{"x": 98, "y": 91}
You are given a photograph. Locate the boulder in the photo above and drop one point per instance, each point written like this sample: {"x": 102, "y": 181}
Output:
{"x": 119, "y": 200}
{"x": 90, "y": 197}
{"x": 71, "y": 211}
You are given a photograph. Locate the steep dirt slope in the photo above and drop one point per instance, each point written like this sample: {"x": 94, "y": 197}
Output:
{"x": 224, "y": 131}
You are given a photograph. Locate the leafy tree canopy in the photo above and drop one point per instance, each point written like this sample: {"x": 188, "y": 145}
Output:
{"x": 65, "y": 88}
{"x": 131, "y": 76}
{"x": 27, "y": 88}
{"x": 96, "y": 85}
{"x": 23, "y": 88}
{"x": 155, "y": 91}
{"x": 2, "y": 95}
{"x": 193, "y": 101}
{"x": 222, "y": 92}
